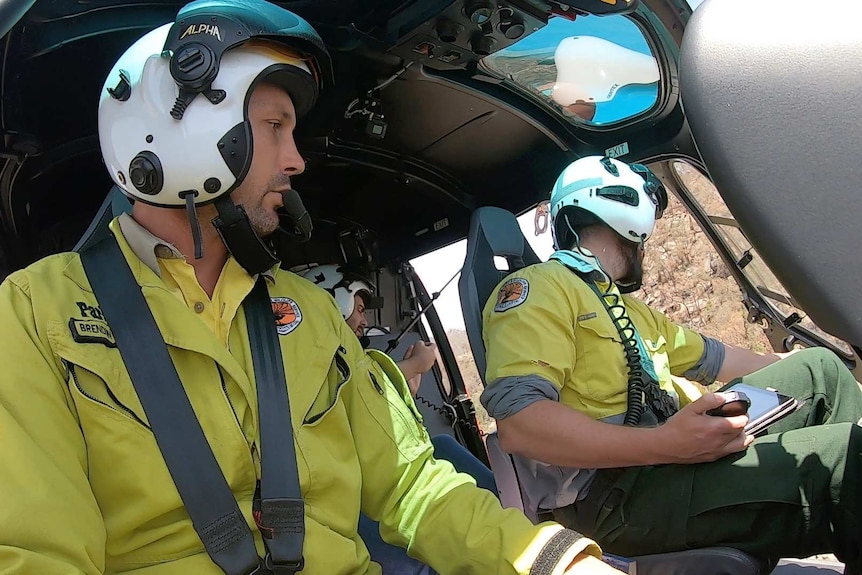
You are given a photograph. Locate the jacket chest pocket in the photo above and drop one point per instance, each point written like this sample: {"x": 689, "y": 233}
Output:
{"x": 323, "y": 438}
{"x": 335, "y": 377}
{"x": 391, "y": 412}
{"x": 97, "y": 381}
{"x": 125, "y": 467}
{"x": 94, "y": 391}
{"x": 600, "y": 367}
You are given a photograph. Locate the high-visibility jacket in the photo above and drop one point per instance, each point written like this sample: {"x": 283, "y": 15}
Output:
{"x": 84, "y": 488}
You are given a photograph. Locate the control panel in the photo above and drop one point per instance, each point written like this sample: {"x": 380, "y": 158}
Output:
{"x": 465, "y": 32}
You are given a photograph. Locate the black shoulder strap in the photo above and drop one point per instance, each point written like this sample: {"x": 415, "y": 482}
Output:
{"x": 202, "y": 487}
{"x": 193, "y": 467}
{"x": 282, "y": 517}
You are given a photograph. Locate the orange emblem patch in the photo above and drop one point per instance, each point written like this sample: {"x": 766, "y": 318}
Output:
{"x": 512, "y": 294}
{"x": 287, "y": 314}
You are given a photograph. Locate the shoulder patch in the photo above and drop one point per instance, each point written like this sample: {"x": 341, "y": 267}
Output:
{"x": 512, "y": 294}
{"x": 287, "y": 314}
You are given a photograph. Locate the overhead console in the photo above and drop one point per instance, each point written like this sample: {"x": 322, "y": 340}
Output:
{"x": 467, "y": 31}
{"x": 464, "y": 31}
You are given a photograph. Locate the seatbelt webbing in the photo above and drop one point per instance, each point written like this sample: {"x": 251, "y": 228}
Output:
{"x": 282, "y": 519}
{"x": 202, "y": 487}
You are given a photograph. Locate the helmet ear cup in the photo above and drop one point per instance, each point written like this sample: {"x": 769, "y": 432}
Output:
{"x": 145, "y": 173}
{"x": 569, "y": 221}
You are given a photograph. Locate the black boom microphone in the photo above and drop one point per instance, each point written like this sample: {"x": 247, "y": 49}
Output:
{"x": 294, "y": 220}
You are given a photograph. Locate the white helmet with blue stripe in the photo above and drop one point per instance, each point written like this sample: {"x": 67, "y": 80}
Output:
{"x": 628, "y": 198}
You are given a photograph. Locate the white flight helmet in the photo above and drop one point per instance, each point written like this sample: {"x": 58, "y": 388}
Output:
{"x": 628, "y": 198}
{"x": 173, "y": 115}
{"x": 173, "y": 110}
{"x": 343, "y": 286}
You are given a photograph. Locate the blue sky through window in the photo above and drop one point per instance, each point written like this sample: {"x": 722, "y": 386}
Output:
{"x": 621, "y": 31}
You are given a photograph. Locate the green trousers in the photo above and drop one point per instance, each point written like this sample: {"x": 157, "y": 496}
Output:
{"x": 793, "y": 493}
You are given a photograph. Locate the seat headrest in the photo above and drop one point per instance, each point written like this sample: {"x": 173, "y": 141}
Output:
{"x": 113, "y": 205}
{"x": 493, "y": 232}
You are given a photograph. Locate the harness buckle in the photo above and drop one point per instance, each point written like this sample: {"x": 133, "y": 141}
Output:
{"x": 268, "y": 566}
{"x": 284, "y": 568}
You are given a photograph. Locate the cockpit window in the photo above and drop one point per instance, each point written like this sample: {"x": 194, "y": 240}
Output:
{"x": 755, "y": 269}
{"x": 595, "y": 70}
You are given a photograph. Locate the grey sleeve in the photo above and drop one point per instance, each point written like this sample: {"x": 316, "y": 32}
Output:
{"x": 509, "y": 395}
{"x": 706, "y": 369}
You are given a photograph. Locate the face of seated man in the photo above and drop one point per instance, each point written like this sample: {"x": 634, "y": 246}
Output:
{"x": 357, "y": 321}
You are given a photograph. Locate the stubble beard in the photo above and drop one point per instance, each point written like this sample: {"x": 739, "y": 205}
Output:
{"x": 634, "y": 266}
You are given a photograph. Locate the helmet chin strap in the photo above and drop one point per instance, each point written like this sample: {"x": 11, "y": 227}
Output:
{"x": 631, "y": 287}
{"x": 234, "y": 227}
{"x": 195, "y": 225}
{"x": 253, "y": 253}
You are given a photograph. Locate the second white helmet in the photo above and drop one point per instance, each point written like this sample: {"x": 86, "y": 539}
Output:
{"x": 343, "y": 286}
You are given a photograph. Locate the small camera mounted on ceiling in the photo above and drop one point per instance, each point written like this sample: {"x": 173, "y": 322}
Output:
{"x": 369, "y": 107}
{"x": 358, "y": 248}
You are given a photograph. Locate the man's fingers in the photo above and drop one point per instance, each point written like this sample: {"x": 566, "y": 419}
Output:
{"x": 737, "y": 421}
{"x": 739, "y": 443}
{"x": 707, "y": 401}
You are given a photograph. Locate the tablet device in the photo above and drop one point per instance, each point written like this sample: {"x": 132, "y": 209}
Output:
{"x": 766, "y": 408}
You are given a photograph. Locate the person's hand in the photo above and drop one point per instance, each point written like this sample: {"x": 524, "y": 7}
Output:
{"x": 418, "y": 359}
{"x": 413, "y": 383}
{"x": 421, "y": 355}
{"x": 692, "y": 436}
{"x": 589, "y": 565}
